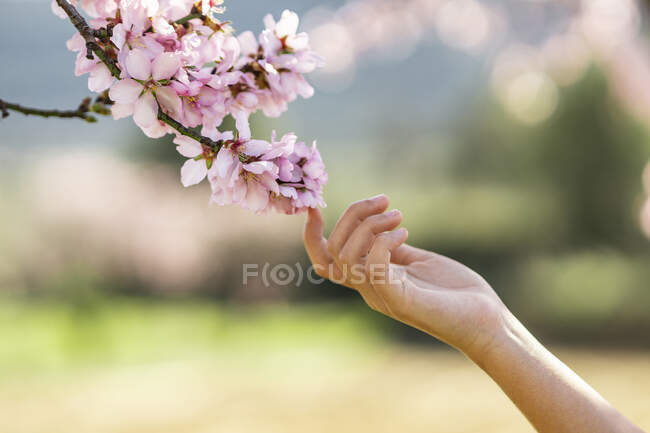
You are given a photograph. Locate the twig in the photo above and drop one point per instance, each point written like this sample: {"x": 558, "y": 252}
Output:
{"x": 163, "y": 117}
{"x": 81, "y": 112}
{"x": 89, "y": 36}
{"x": 3, "y": 109}
{"x": 189, "y": 17}
{"x": 104, "y": 34}
{"x": 194, "y": 13}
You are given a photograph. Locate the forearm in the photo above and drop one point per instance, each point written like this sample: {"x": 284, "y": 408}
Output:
{"x": 550, "y": 394}
{"x": 456, "y": 305}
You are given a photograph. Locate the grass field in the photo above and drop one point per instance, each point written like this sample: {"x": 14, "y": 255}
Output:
{"x": 130, "y": 368}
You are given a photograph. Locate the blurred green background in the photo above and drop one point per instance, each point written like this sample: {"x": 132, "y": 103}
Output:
{"x": 122, "y": 305}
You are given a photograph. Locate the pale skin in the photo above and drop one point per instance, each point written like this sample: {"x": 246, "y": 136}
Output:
{"x": 367, "y": 252}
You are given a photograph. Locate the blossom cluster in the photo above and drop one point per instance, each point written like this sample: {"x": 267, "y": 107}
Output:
{"x": 180, "y": 65}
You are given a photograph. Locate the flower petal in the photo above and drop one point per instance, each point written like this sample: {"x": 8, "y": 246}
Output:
{"x": 221, "y": 195}
{"x": 119, "y": 36}
{"x": 288, "y": 191}
{"x": 145, "y": 112}
{"x": 269, "y": 22}
{"x": 241, "y": 123}
{"x": 57, "y": 10}
{"x": 125, "y": 91}
{"x": 288, "y": 24}
{"x": 269, "y": 181}
{"x": 257, "y": 197}
{"x": 224, "y": 162}
{"x": 100, "y": 78}
{"x": 76, "y": 42}
{"x": 162, "y": 26}
{"x": 239, "y": 187}
{"x": 169, "y": 100}
{"x": 193, "y": 172}
{"x": 299, "y": 41}
{"x": 138, "y": 65}
{"x": 188, "y": 147}
{"x": 120, "y": 111}
{"x": 248, "y": 43}
{"x": 165, "y": 66}
{"x": 259, "y": 167}
{"x": 256, "y": 147}
{"x": 157, "y": 130}
{"x": 256, "y": 167}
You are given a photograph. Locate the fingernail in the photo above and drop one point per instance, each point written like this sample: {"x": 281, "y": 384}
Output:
{"x": 378, "y": 196}
{"x": 394, "y": 212}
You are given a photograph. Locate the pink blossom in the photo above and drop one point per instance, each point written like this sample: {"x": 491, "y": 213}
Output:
{"x": 100, "y": 77}
{"x": 145, "y": 90}
{"x": 212, "y": 6}
{"x": 281, "y": 175}
{"x": 125, "y": 39}
{"x": 286, "y": 48}
{"x": 197, "y": 73}
{"x": 201, "y": 160}
{"x": 136, "y": 14}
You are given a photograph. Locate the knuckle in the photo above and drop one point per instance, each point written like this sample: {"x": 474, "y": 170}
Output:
{"x": 376, "y": 223}
{"x": 345, "y": 257}
{"x": 374, "y": 220}
{"x": 367, "y": 228}
{"x": 382, "y": 241}
{"x": 331, "y": 246}
{"x": 360, "y": 206}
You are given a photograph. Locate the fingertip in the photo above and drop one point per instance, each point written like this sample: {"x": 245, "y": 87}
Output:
{"x": 314, "y": 215}
{"x": 396, "y": 214}
{"x": 382, "y": 200}
{"x": 313, "y": 225}
{"x": 399, "y": 236}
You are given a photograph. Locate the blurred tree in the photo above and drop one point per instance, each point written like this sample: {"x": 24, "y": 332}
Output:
{"x": 590, "y": 154}
{"x": 593, "y": 154}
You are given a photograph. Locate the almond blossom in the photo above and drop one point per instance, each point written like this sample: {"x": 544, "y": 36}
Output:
{"x": 178, "y": 69}
{"x": 147, "y": 87}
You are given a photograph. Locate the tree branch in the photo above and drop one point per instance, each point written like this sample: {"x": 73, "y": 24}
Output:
{"x": 89, "y": 36}
{"x": 163, "y": 117}
{"x": 81, "y": 112}
{"x": 189, "y": 17}
{"x": 100, "y": 107}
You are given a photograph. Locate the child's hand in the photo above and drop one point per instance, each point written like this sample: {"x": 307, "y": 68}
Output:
{"x": 430, "y": 292}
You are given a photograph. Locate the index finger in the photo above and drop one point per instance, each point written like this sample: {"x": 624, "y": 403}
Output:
{"x": 315, "y": 242}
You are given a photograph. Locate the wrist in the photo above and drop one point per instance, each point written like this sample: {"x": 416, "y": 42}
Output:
{"x": 503, "y": 341}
